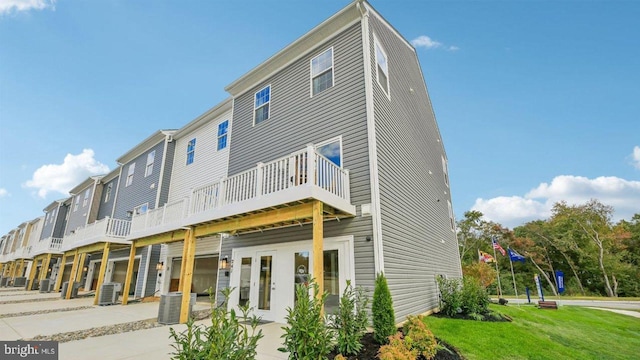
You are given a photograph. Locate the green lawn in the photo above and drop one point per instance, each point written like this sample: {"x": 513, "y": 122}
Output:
{"x": 570, "y": 332}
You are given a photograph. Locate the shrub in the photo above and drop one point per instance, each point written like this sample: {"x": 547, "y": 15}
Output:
{"x": 421, "y": 338}
{"x": 399, "y": 348}
{"x": 351, "y": 320}
{"x": 384, "y": 318}
{"x": 450, "y": 296}
{"x": 307, "y": 335}
{"x": 226, "y": 338}
{"x": 475, "y": 299}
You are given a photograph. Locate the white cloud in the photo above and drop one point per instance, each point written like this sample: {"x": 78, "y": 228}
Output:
{"x": 4, "y": 192}
{"x": 7, "y": 6}
{"x": 426, "y": 42}
{"x": 453, "y": 48}
{"x": 635, "y": 156}
{"x": 63, "y": 177}
{"x": 623, "y": 195}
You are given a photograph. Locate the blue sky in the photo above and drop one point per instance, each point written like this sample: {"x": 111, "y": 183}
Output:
{"x": 537, "y": 101}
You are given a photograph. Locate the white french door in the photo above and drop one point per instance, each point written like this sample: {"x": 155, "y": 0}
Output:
{"x": 257, "y": 282}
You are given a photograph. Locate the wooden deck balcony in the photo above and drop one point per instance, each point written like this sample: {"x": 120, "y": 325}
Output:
{"x": 50, "y": 245}
{"x": 301, "y": 177}
{"x": 106, "y": 230}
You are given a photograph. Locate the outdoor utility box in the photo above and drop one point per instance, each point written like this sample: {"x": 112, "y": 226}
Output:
{"x": 44, "y": 285}
{"x": 20, "y": 281}
{"x": 169, "y": 311}
{"x": 74, "y": 290}
{"x": 109, "y": 293}
{"x": 4, "y": 281}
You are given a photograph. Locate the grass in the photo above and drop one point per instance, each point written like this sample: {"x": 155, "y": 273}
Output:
{"x": 567, "y": 333}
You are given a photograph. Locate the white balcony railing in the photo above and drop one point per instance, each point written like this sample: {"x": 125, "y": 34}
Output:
{"x": 44, "y": 246}
{"x": 104, "y": 230}
{"x": 306, "y": 168}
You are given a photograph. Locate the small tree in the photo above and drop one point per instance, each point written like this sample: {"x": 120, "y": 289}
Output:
{"x": 384, "y": 318}
{"x": 307, "y": 335}
{"x": 351, "y": 320}
{"x": 482, "y": 272}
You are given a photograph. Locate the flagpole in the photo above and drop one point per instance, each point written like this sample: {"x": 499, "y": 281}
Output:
{"x": 495, "y": 259}
{"x": 515, "y": 288}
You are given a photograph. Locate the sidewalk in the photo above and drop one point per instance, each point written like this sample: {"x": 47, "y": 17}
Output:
{"x": 151, "y": 343}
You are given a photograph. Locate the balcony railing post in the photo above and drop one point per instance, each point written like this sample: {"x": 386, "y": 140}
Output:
{"x": 259, "y": 179}
{"x": 222, "y": 189}
{"x": 346, "y": 186}
{"x": 311, "y": 165}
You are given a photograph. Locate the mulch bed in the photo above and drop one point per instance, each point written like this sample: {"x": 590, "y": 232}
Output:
{"x": 370, "y": 351}
{"x": 490, "y": 317}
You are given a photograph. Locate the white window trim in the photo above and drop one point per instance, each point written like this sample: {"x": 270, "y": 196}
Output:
{"x": 85, "y": 201}
{"x": 107, "y": 195}
{"x": 376, "y": 43}
{"x": 148, "y": 170}
{"x": 130, "y": 171}
{"x": 76, "y": 205}
{"x": 195, "y": 142}
{"x": 445, "y": 170}
{"x": 225, "y": 134}
{"x": 451, "y": 216}
{"x": 329, "y": 141}
{"x": 333, "y": 72}
{"x": 268, "y": 102}
{"x": 136, "y": 210}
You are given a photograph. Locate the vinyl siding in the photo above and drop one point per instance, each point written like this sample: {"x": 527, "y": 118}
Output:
{"x": 143, "y": 189}
{"x": 418, "y": 242}
{"x": 209, "y": 164}
{"x": 78, "y": 218}
{"x": 106, "y": 208}
{"x": 166, "y": 176}
{"x": 296, "y": 120}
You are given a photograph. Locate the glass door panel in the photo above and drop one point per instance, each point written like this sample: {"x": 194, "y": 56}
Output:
{"x": 245, "y": 281}
{"x": 331, "y": 280}
{"x": 300, "y": 270}
{"x": 266, "y": 283}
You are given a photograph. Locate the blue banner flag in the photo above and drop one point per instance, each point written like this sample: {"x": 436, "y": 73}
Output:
{"x": 514, "y": 256}
{"x": 560, "y": 281}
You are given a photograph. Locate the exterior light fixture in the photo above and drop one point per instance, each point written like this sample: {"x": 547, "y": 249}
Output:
{"x": 160, "y": 266}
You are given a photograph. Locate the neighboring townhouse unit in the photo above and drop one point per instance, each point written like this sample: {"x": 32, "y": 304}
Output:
{"x": 201, "y": 156}
{"x": 336, "y": 171}
{"x": 99, "y": 249}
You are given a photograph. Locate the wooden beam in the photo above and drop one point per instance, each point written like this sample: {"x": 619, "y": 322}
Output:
{"x": 91, "y": 248}
{"x": 72, "y": 276}
{"x": 103, "y": 268}
{"x": 258, "y": 220}
{"x": 173, "y": 236}
{"x": 44, "y": 270}
{"x": 318, "y": 246}
{"x": 127, "y": 281}
{"x": 190, "y": 244}
{"x": 60, "y": 273}
{"x": 83, "y": 257}
{"x": 32, "y": 273}
{"x": 21, "y": 267}
{"x": 182, "y": 264}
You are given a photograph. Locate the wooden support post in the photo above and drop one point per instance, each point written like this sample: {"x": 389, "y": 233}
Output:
{"x": 60, "y": 273}
{"x": 83, "y": 257}
{"x": 103, "y": 268}
{"x": 182, "y": 262}
{"x": 21, "y": 267}
{"x": 32, "y": 273}
{"x": 127, "y": 281}
{"x": 318, "y": 246}
{"x": 44, "y": 270}
{"x": 72, "y": 276}
{"x": 188, "y": 261}
{"x": 12, "y": 273}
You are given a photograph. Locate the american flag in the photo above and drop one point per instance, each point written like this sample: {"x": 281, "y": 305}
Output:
{"x": 497, "y": 246}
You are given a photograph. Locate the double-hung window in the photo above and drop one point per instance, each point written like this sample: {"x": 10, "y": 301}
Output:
{"x": 445, "y": 170}
{"x": 107, "y": 194}
{"x": 223, "y": 129}
{"x": 141, "y": 209}
{"x": 132, "y": 169}
{"x": 322, "y": 72}
{"x": 77, "y": 203}
{"x": 191, "y": 151}
{"x": 85, "y": 202}
{"x": 150, "y": 159}
{"x": 382, "y": 67}
{"x": 262, "y": 100}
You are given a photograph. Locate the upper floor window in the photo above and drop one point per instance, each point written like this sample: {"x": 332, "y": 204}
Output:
{"x": 150, "y": 159}
{"x": 332, "y": 150}
{"x": 141, "y": 209}
{"x": 46, "y": 217}
{"x": 77, "y": 203}
{"x": 262, "y": 100}
{"x": 382, "y": 67}
{"x": 107, "y": 192}
{"x": 322, "y": 72}
{"x": 445, "y": 170}
{"x": 132, "y": 169}
{"x": 223, "y": 129}
{"x": 191, "y": 151}
{"x": 451, "y": 217}
{"x": 85, "y": 201}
